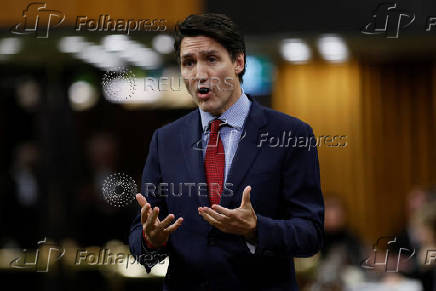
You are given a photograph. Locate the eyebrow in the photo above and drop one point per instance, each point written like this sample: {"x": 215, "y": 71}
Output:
{"x": 203, "y": 53}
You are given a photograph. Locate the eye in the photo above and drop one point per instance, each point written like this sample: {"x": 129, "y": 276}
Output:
{"x": 188, "y": 63}
{"x": 212, "y": 59}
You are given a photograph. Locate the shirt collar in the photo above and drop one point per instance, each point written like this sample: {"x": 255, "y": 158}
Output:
{"x": 234, "y": 116}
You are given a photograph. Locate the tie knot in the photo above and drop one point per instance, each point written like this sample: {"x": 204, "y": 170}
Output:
{"x": 215, "y": 125}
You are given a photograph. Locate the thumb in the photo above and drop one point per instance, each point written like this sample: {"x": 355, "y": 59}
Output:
{"x": 141, "y": 200}
{"x": 246, "y": 197}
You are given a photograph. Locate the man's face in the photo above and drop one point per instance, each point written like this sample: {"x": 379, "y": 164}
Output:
{"x": 209, "y": 74}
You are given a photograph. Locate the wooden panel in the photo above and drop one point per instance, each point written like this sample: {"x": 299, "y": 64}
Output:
{"x": 171, "y": 10}
{"x": 327, "y": 96}
{"x": 399, "y": 135}
{"x": 387, "y": 113}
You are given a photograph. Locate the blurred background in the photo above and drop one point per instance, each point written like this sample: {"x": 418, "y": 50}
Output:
{"x": 78, "y": 102}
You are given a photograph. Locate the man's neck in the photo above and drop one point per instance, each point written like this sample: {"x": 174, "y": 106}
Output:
{"x": 235, "y": 96}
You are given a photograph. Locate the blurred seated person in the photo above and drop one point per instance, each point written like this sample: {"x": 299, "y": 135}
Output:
{"x": 97, "y": 221}
{"x": 337, "y": 235}
{"x": 424, "y": 224}
{"x": 415, "y": 200}
{"x": 22, "y": 198}
{"x": 341, "y": 247}
{"x": 418, "y": 227}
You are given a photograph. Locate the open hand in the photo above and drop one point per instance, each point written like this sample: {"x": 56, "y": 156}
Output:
{"x": 156, "y": 231}
{"x": 240, "y": 221}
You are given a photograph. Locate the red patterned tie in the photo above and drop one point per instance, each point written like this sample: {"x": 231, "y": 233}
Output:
{"x": 214, "y": 163}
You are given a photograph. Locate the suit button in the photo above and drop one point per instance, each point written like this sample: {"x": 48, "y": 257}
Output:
{"x": 211, "y": 241}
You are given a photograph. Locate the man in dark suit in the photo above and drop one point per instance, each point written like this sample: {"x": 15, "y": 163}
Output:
{"x": 242, "y": 179}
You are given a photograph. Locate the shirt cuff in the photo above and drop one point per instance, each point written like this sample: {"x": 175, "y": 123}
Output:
{"x": 251, "y": 247}
{"x": 148, "y": 243}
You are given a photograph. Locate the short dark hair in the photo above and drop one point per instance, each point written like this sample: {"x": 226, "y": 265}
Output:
{"x": 217, "y": 26}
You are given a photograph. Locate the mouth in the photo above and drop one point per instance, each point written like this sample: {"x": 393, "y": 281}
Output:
{"x": 204, "y": 92}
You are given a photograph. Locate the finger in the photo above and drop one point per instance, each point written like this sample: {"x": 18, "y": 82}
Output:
{"x": 141, "y": 199}
{"x": 246, "y": 197}
{"x": 209, "y": 219}
{"x": 164, "y": 223}
{"x": 225, "y": 211}
{"x": 144, "y": 214}
{"x": 175, "y": 225}
{"x": 216, "y": 216}
{"x": 151, "y": 219}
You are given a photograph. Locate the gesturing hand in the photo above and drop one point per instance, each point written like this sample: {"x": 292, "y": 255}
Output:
{"x": 156, "y": 231}
{"x": 240, "y": 221}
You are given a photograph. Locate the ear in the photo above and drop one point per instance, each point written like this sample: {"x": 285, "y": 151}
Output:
{"x": 239, "y": 63}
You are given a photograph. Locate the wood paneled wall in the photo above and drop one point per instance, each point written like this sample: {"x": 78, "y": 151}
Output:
{"x": 387, "y": 113}
{"x": 399, "y": 135}
{"x": 171, "y": 10}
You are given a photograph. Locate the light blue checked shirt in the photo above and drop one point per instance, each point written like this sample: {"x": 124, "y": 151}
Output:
{"x": 230, "y": 134}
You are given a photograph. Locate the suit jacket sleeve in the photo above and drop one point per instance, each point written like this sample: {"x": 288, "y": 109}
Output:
{"x": 151, "y": 177}
{"x": 300, "y": 233}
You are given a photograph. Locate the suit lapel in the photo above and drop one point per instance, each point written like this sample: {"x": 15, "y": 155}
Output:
{"x": 191, "y": 139}
{"x": 245, "y": 154}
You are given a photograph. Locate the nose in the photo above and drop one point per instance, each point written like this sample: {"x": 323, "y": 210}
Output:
{"x": 201, "y": 74}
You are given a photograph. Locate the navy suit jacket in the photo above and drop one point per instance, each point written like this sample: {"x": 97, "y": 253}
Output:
{"x": 285, "y": 195}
